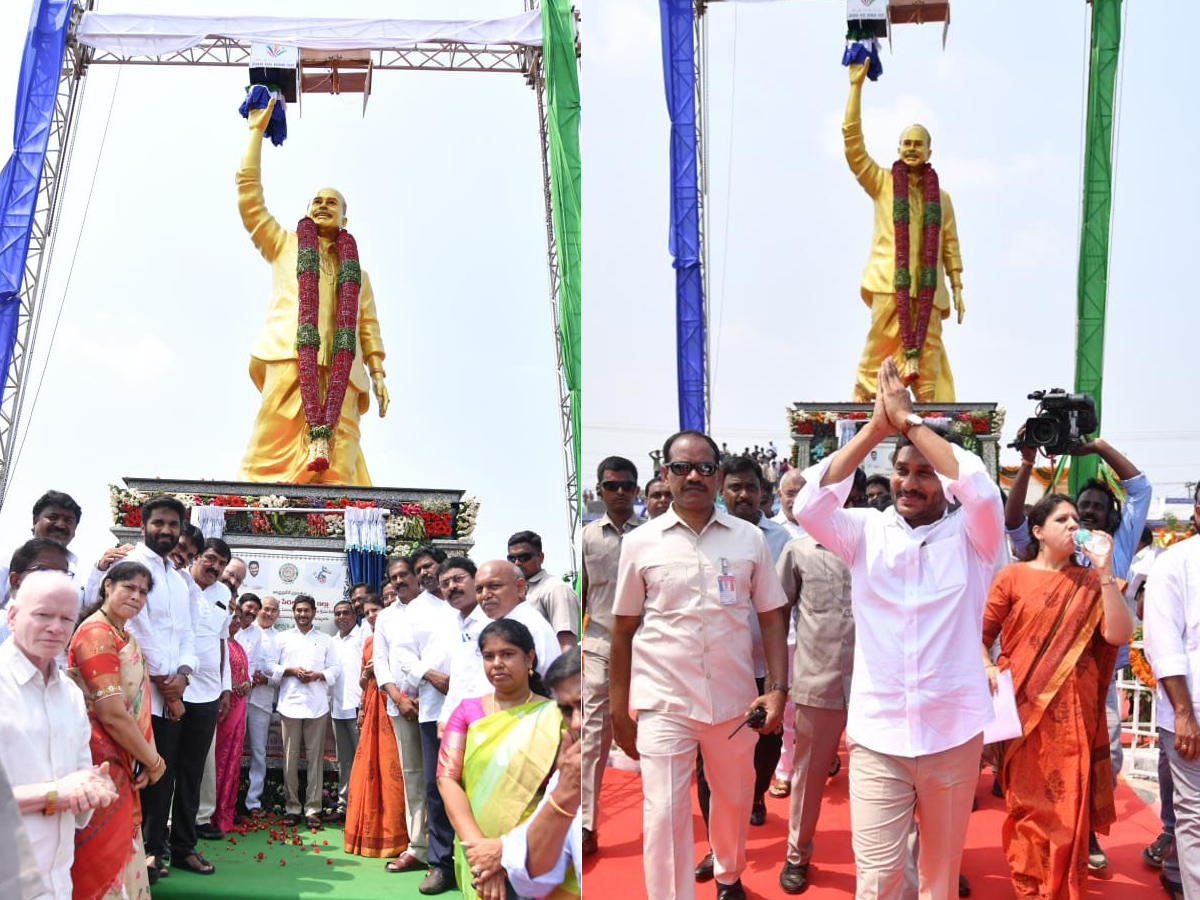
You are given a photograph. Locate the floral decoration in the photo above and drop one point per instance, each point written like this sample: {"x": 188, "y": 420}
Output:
{"x": 408, "y": 524}
{"x": 931, "y": 224}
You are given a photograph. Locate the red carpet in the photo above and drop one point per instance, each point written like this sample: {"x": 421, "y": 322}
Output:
{"x": 617, "y": 870}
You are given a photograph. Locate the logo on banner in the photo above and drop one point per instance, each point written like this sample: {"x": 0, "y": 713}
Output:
{"x": 288, "y": 573}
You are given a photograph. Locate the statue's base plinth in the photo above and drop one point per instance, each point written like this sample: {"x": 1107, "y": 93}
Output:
{"x": 817, "y": 429}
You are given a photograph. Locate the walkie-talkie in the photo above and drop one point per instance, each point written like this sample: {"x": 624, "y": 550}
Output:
{"x": 757, "y": 717}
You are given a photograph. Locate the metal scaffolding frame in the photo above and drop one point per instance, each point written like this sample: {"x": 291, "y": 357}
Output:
{"x": 223, "y": 52}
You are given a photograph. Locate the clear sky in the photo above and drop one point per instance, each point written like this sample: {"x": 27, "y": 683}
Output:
{"x": 789, "y": 226}
{"x": 147, "y": 373}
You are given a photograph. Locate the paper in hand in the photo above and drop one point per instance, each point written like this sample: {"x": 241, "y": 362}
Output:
{"x": 1006, "y": 725}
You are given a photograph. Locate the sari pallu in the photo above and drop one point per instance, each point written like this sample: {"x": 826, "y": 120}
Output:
{"x": 1057, "y": 777}
{"x": 507, "y": 759}
{"x": 108, "y": 850}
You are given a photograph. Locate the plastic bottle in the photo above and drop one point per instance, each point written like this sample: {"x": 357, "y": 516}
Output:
{"x": 1097, "y": 542}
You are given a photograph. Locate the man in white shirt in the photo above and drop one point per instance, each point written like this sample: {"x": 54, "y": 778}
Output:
{"x": 552, "y": 597}
{"x": 789, "y": 489}
{"x": 688, "y": 585}
{"x": 165, "y": 633}
{"x": 305, "y": 665}
{"x": 55, "y": 516}
{"x": 919, "y": 699}
{"x": 261, "y": 701}
{"x": 207, "y": 692}
{"x": 500, "y": 592}
{"x": 395, "y": 650}
{"x": 1172, "y": 616}
{"x": 45, "y": 736}
{"x": 345, "y": 696}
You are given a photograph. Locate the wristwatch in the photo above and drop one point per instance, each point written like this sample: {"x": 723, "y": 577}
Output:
{"x": 777, "y": 687}
{"x": 911, "y": 421}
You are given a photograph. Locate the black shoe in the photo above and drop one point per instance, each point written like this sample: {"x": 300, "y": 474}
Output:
{"x": 704, "y": 871}
{"x": 964, "y": 886}
{"x": 437, "y": 882}
{"x": 794, "y": 878}
{"x": 758, "y": 812}
{"x": 835, "y": 766}
{"x": 209, "y": 832}
{"x": 997, "y": 791}
{"x": 731, "y": 891}
{"x": 1097, "y": 861}
{"x": 1159, "y": 850}
{"x": 1174, "y": 889}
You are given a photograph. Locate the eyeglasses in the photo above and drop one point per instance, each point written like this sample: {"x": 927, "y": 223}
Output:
{"x": 450, "y": 580}
{"x": 628, "y": 486}
{"x": 39, "y": 568}
{"x": 520, "y": 557}
{"x": 686, "y": 468}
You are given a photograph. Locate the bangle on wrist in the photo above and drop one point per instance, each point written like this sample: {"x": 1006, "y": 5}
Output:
{"x": 558, "y": 809}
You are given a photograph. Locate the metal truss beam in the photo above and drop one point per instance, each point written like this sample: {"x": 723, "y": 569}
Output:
{"x": 426, "y": 57}
{"x": 700, "y": 23}
{"x": 566, "y": 427}
{"x": 68, "y": 98}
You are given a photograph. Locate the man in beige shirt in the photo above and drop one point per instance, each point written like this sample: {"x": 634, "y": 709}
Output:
{"x": 552, "y": 597}
{"x": 617, "y": 488}
{"x": 688, "y": 585}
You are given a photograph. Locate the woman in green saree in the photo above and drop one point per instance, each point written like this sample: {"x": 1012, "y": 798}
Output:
{"x": 497, "y": 753}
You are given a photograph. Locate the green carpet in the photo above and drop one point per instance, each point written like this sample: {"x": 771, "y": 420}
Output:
{"x": 316, "y": 869}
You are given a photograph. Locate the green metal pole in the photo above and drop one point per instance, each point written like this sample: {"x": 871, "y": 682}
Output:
{"x": 1097, "y": 216}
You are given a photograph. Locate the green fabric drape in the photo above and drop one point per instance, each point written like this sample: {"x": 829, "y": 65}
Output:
{"x": 562, "y": 125}
{"x": 1097, "y": 216}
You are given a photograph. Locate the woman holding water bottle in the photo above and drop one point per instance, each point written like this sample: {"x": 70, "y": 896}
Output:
{"x": 1059, "y": 624}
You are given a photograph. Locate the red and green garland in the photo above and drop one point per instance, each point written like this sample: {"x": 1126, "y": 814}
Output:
{"x": 322, "y": 418}
{"x": 914, "y": 338}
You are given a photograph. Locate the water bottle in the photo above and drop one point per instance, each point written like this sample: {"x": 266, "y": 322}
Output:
{"x": 1097, "y": 542}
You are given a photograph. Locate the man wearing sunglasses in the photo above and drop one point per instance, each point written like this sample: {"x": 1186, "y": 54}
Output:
{"x": 688, "y": 585}
{"x": 550, "y": 596}
{"x": 617, "y": 487}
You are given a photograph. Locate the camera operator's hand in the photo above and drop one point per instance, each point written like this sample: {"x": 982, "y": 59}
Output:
{"x": 1028, "y": 453}
{"x": 1085, "y": 449}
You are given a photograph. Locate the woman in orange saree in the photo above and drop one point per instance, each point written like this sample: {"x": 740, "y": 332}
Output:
{"x": 375, "y": 807}
{"x": 107, "y": 664}
{"x": 1059, "y": 625}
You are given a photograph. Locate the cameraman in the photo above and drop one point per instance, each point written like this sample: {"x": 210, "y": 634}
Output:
{"x": 1099, "y": 510}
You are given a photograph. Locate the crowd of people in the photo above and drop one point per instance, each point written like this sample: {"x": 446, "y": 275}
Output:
{"x": 132, "y": 687}
{"x": 893, "y": 611}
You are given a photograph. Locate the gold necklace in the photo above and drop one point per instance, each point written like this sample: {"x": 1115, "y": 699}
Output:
{"x": 117, "y": 628}
{"x": 496, "y": 708}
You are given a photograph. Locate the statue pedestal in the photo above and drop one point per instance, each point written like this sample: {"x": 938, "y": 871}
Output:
{"x": 817, "y": 429}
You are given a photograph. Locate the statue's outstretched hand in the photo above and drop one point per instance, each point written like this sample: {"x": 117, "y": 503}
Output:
{"x": 381, "y": 393}
{"x": 258, "y": 118}
{"x": 958, "y": 304}
{"x": 858, "y": 73}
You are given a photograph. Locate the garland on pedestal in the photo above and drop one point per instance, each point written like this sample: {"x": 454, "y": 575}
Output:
{"x": 322, "y": 418}
{"x": 913, "y": 339}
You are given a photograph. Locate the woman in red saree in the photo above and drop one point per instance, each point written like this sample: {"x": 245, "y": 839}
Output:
{"x": 1059, "y": 625}
{"x": 106, "y": 663}
{"x": 231, "y": 730}
{"x": 375, "y": 807}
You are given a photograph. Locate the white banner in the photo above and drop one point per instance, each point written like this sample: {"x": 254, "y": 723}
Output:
{"x": 323, "y": 576}
{"x": 866, "y": 9}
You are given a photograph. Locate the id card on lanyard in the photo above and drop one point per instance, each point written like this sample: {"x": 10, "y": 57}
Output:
{"x": 726, "y": 585}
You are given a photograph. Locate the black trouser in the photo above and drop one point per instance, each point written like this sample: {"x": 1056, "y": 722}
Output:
{"x": 766, "y": 758}
{"x": 183, "y": 745}
{"x": 438, "y": 830}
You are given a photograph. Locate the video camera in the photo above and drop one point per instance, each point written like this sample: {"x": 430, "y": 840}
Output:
{"x": 1061, "y": 422}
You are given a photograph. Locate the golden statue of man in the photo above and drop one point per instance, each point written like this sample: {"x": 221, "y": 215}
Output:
{"x": 925, "y": 365}
{"x": 278, "y": 449}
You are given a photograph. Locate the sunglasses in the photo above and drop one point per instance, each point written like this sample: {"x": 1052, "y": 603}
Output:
{"x": 686, "y": 468}
{"x": 614, "y": 486}
{"x": 520, "y": 557}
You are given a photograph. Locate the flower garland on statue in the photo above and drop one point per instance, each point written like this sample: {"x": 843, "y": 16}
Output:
{"x": 321, "y": 418}
{"x": 913, "y": 339}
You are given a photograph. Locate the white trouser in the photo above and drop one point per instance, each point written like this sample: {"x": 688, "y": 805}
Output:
{"x": 667, "y": 744}
{"x": 258, "y": 723}
{"x": 208, "y": 786}
{"x": 412, "y": 765}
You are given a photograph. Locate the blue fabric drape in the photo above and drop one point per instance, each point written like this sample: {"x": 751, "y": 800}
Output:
{"x": 36, "y": 90}
{"x": 366, "y": 566}
{"x": 679, "y": 75}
